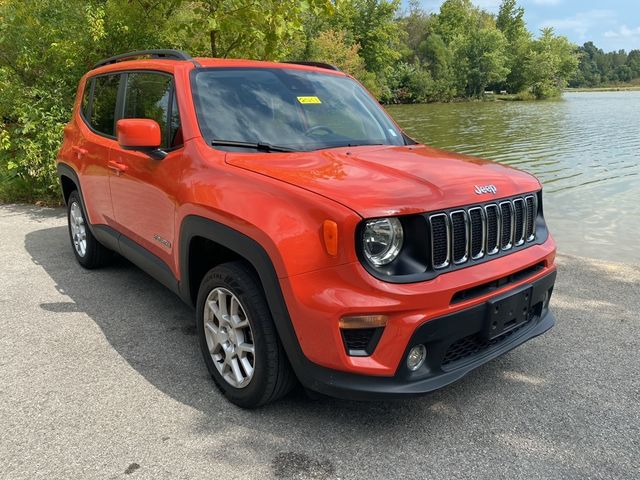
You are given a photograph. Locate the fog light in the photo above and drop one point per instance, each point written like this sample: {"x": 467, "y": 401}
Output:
{"x": 416, "y": 357}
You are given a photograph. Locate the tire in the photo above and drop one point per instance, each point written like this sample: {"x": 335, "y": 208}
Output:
{"x": 88, "y": 251}
{"x": 256, "y": 378}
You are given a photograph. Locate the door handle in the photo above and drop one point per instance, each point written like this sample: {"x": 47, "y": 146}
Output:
{"x": 79, "y": 151}
{"x": 118, "y": 167}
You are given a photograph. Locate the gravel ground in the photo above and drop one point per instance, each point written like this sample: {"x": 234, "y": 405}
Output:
{"x": 101, "y": 377}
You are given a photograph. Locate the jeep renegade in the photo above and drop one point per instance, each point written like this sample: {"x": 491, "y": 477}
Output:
{"x": 317, "y": 242}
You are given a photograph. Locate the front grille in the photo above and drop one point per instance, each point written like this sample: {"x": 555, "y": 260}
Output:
{"x": 479, "y": 230}
{"x": 474, "y": 344}
{"x": 530, "y": 220}
{"x": 478, "y": 227}
{"x": 440, "y": 240}
{"x": 518, "y": 232}
{"x": 493, "y": 227}
{"x": 506, "y": 212}
{"x": 460, "y": 236}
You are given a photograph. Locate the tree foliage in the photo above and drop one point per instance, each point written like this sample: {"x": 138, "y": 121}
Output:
{"x": 244, "y": 28}
{"x": 401, "y": 56}
{"x": 510, "y": 22}
{"x": 549, "y": 65}
{"x": 597, "y": 68}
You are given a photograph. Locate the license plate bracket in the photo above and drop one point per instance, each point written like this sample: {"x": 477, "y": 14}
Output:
{"x": 507, "y": 312}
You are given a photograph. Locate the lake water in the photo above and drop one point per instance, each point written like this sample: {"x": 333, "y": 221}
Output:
{"x": 584, "y": 148}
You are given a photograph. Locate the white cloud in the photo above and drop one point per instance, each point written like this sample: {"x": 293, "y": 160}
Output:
{"x": 623, "y": 32}
{"x": 582, "y": 22}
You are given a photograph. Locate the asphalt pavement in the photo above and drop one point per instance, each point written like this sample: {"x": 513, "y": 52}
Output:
{"x": 101, "y": 377}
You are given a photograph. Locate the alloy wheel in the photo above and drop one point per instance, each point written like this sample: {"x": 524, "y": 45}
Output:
{"x": 229, "y": 337}
{"x": 78, "y": 229}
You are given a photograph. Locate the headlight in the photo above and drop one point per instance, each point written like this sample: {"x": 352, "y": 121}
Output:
{"x": 382, "y": 240}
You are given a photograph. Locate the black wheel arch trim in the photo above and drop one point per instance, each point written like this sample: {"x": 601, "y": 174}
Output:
{"x": 250, "y": 250}
{"x": 65, "y": 170}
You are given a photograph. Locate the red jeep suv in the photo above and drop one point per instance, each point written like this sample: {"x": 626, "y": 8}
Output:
{"x": 317, "y": 242}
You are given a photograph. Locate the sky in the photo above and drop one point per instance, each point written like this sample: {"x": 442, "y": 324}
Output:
{"x": 610, "y": 24}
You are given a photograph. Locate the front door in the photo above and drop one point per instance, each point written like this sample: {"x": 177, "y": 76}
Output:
{"x": 143, "y": 189}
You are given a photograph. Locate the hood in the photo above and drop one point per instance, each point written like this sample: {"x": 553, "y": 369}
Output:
{"x": 377, "y": 181}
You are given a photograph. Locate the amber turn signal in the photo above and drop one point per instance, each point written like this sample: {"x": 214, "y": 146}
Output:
{"x": 363, "y": 321}
{"x": 330, "y": 234}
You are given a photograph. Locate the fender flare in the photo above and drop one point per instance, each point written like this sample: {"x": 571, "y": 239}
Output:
{"x": 105, "y": 235}
{"x": 65, "y": 170}
{"x": 247, "y": 248}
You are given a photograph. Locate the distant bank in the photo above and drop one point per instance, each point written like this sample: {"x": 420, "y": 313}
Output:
{"x": 612, "y": 88}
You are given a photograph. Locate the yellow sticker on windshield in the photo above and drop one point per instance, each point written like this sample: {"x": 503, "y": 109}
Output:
{"x": 306, "y": 100}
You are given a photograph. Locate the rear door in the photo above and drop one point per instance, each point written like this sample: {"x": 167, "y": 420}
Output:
{"x": 98, "y": 138}
{"x": 144, "y": 191}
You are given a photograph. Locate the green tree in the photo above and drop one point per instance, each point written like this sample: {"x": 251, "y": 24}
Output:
{"x": 456, "y": 19}
{"x": 551, "y": 63}
{"x": 438, "y": 59}
{"x": 408, "y": 83}
{"x": 45, "y": 47}
{"x": 244, "y": 28}
{"x": 373, "y": 26}
{"x": 633, "y": 62}
{"x": 510, "y": 22}
{"x": 332, "y": 46}
{"x": 417, "y": 26}
{"x": 480, "y": 60}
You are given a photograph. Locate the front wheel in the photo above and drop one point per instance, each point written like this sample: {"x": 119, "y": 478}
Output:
{"x": 238, "y": 338}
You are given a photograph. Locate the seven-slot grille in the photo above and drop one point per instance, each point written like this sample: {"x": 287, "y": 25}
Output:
{"x": 472, "y": 233}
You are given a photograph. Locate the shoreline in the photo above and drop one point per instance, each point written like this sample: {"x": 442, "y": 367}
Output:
{"x": 625, "y": 88}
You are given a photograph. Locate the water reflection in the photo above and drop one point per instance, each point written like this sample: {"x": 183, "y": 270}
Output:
{"x": 584, "y": 148}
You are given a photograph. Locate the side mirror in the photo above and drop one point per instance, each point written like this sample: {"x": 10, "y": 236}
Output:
{"x": 141, "y": 134}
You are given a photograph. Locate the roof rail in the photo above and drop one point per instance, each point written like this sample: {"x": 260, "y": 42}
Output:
{"x": 162, "y": 54}
{"x": 328, "y": 66}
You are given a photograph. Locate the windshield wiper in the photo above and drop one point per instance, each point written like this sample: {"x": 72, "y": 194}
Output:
{"x": 343, "y": 145}
{"x": 262, "y": 147}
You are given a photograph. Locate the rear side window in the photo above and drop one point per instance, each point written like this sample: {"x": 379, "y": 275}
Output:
{"x": 150, "y": 95}
{"x": 103, "y": 108}
{"x": 86, "y": 97}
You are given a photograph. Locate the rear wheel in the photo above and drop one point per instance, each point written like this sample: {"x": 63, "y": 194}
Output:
{"x": 88, "y": 251}
{"x": 238, "y": 338}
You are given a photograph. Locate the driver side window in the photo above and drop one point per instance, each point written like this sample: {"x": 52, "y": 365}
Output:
{"x": 152, "y": 95}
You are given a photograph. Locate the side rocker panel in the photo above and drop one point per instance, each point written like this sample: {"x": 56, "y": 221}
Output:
{"x": 126, "y": 247}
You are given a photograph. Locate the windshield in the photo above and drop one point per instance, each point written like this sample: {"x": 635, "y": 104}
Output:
{"x": 292, "y": 109}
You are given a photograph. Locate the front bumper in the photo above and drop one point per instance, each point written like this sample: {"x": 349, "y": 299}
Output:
{"x": 454, "y": 344}
{"x": 315, "y": 302}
